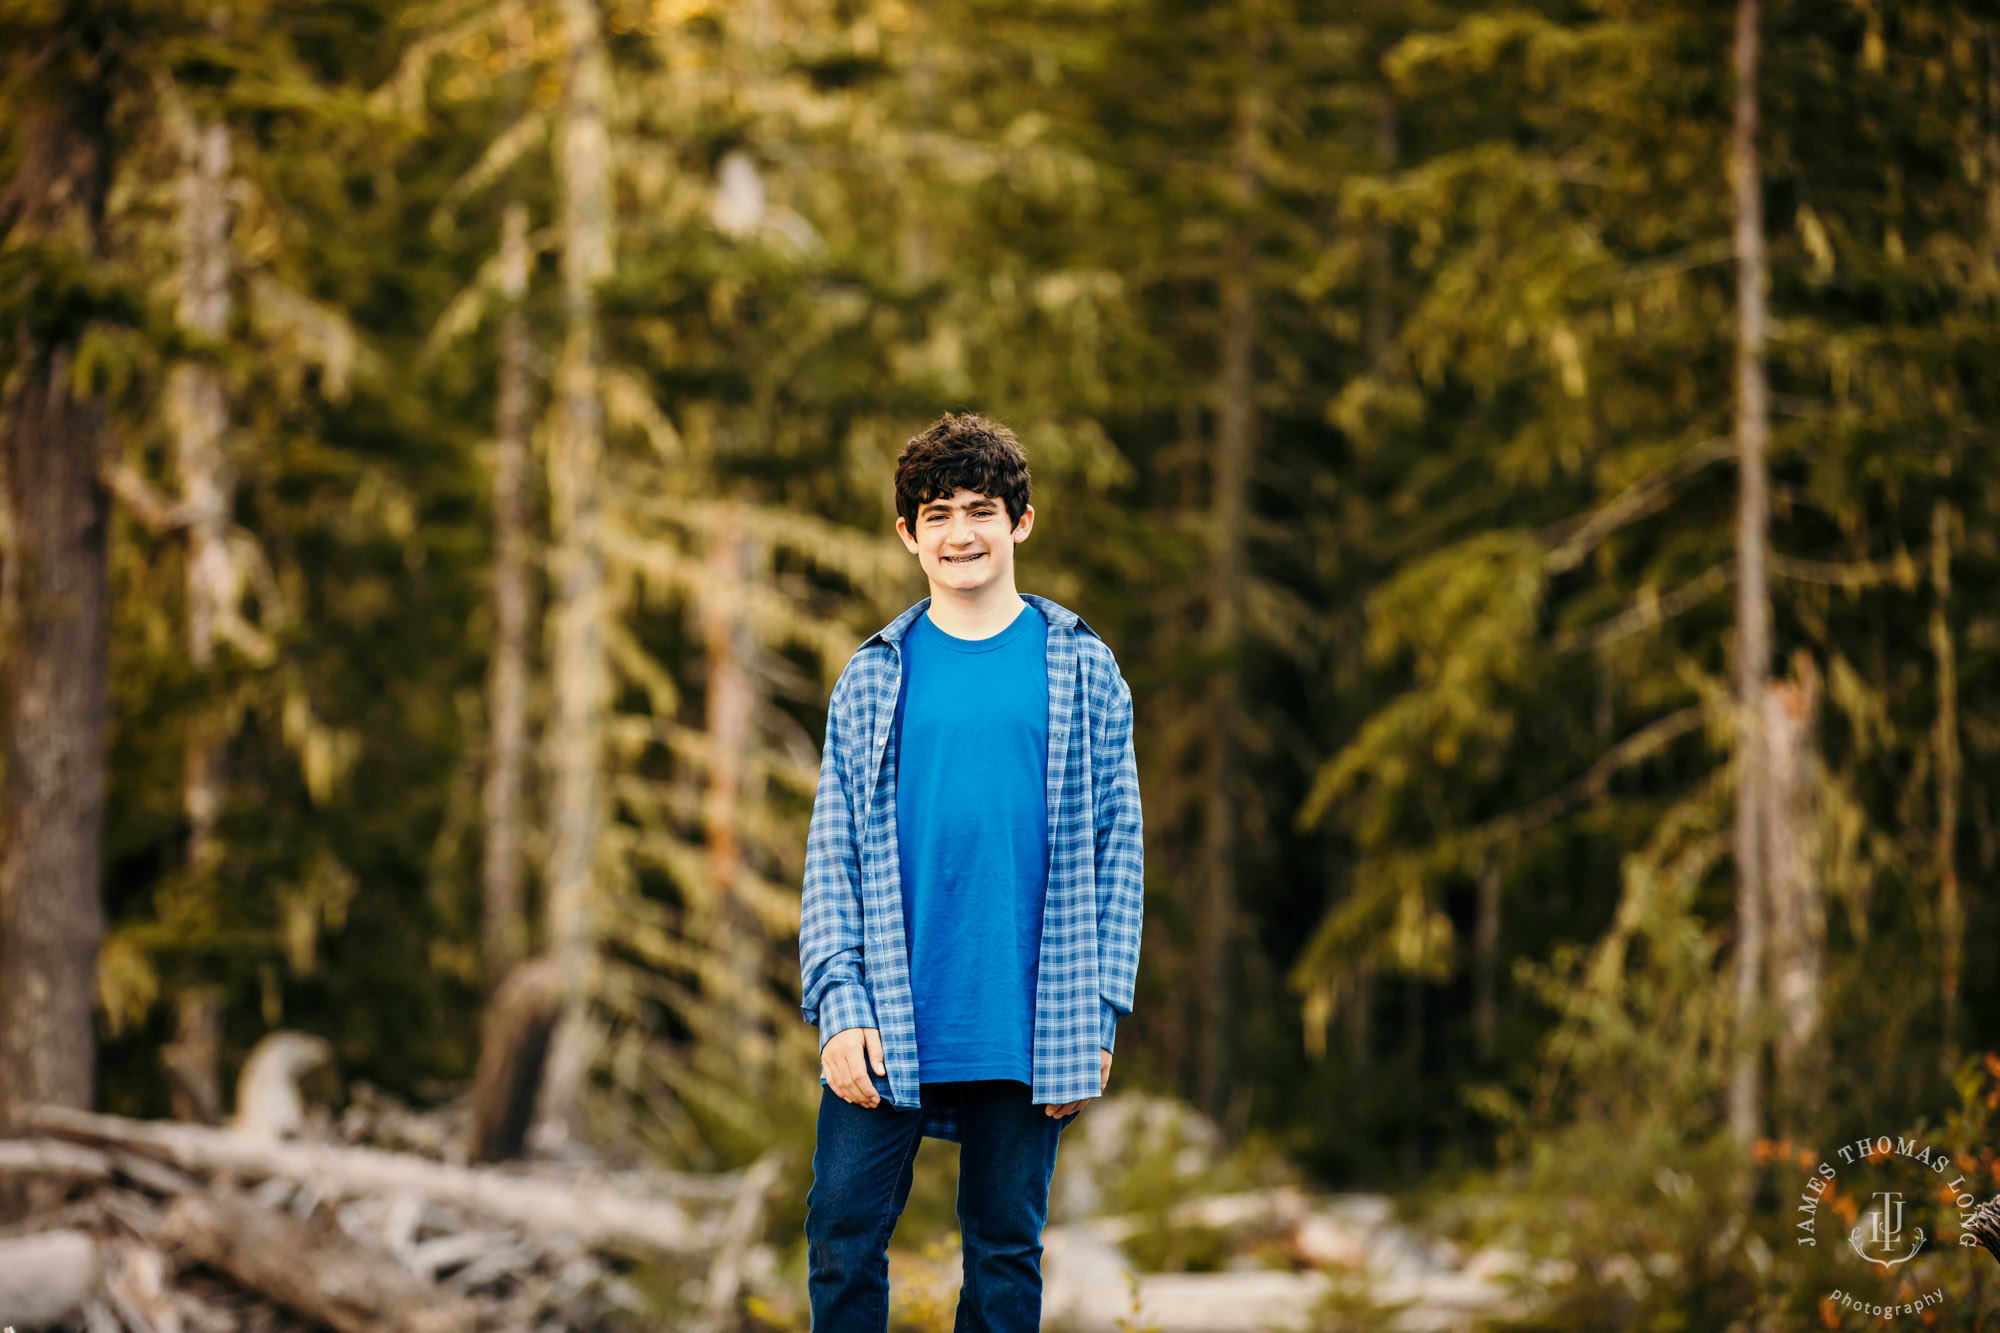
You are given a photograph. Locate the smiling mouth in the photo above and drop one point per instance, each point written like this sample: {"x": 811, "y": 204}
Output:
{"x": 962, "y": 559}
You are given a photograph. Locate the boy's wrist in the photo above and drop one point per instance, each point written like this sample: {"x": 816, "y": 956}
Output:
{"x": 844, "y": 1006}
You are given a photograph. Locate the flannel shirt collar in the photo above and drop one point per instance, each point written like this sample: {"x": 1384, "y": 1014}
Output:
{"x": 1059, "y": 617}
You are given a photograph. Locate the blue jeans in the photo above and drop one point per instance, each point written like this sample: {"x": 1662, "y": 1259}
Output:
{"x": 862, "y": 1166}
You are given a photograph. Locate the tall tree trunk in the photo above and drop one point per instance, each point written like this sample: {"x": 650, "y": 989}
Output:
{"x": 1380, "y": 332}
{"x": 1228, "y": 527}
{"x": 1951, "y": 911}
{"x": 579, "y": 668}
{"x": 193, "y": 1058}
{"x": 200, "y": 413}
{"x": 51, "y": 916}
{"x": 198, "y": 408}
{"x": 1992, "y": 152}
{"x": 1797, "y": 925}
{"x": 1753, "y": 598}
{"x": 1361, "y": 1024}
{"x": 1486, "y": 964}
{"x": 916, "y": 263}
{"x": 1381, "y": 327}
{"x": 734, "y": 944}
{"x": 503, "y": 920}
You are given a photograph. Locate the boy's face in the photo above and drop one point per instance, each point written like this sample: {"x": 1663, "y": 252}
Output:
{"x": 965, "y": 543}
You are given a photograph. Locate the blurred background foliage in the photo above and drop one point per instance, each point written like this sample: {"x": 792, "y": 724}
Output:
{"x": 1377, "y": 367}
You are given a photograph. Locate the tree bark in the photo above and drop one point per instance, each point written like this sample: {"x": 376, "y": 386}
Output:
{"x": 1951, "y": 910}
{"x": 1753, "y": 599}
{"x": 1992, "y": 155}
{"x": 194, "y": 1057}
{"x": 199, "y": 411}
{"x": 1228, "y": 529}
{"x": 579, "y": 667}
{"x": 731, "y": 702}
{"x": 735, "y": 944}
{"x": 1361, "y": 1025}
{"x": 1486, "y": 964}
{"x": 1797, "y": 924}
{"x": 1381, "y": 327}
{"x": 51, "y": 916}
{"x": 504, "y": 924}
{"x": 317, "y": 1271}
{"x": 739, "y": 1229}
{"x": 513, "y": 1050}
{"x": 1380, "y": 332}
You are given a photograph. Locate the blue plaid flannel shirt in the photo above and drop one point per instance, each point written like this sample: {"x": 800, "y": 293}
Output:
{"x": 854, "y": 969}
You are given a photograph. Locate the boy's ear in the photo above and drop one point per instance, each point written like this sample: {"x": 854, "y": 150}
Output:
{"x": 1024, "y": 523}
{"x": 903, "y": 531}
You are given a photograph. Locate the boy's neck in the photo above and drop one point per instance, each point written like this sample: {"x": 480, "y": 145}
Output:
{"x": 978, "y": 614}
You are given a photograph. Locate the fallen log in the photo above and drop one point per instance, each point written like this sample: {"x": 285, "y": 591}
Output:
{"x": 725, "y": 1274}
{"x": 318, "y": 1272}
{"x": 136, "y": 1287}
{"x": 592, "y": 1211}
{"x": 1272, "y": 1209}
{"x": 52, "y": 1158}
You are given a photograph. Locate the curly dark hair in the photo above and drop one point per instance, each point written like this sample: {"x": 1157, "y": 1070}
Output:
{"x": 962, "y": 452}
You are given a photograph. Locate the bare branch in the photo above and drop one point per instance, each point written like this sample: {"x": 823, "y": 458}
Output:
{"x": 725, "y": 1275}
{"x": 1647, "y": 613}
{"x": 1639, "y": 746}
{"x": 1642, "y": 497}
{"x": 155, "y": 512}
{"x": 1902, "y": 569}
{"x": 501, "y": 154}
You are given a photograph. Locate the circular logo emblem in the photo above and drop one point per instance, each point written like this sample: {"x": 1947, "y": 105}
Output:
{"x": 1881, "y": 1203}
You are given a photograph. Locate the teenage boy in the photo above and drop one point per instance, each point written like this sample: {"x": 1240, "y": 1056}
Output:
{"x": 970, "y": 926}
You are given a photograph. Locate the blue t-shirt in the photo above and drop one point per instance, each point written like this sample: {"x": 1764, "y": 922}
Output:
{"x": 972, "y": 840}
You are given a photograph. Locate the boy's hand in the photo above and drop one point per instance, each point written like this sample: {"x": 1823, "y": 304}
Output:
{"x": 845, "y": 1060}
{"x": 1103, "y": 1082}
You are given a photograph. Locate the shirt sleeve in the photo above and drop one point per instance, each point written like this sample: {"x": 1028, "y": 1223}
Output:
{"x": 833, "y": 986}
{"x": 1120, "y": 856}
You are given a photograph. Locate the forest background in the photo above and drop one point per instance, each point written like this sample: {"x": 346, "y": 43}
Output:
{"x": 1535, "y": 463}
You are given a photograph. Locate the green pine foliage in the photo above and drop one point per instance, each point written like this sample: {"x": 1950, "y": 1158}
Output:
{"x": 1480, "y": 760}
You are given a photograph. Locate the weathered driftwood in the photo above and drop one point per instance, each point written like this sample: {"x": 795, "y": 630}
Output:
{"x": 594, "y": 1211}
{"x": 725, "y": 1274}
{"x": 56, "y": 1159}
{"x": 45, "y": 1277}
{"x": 135, "y": 1286}
{"x": 352, "y": 1236}
{"x": 52, "y": 1158}
{"x": 1269, "y": 1209}
{"x": 268, "y": 1104}
{"x": 316, "y": 1271}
